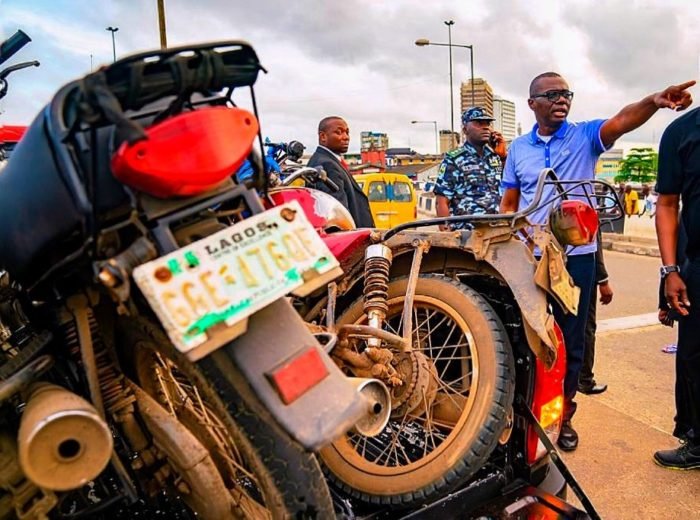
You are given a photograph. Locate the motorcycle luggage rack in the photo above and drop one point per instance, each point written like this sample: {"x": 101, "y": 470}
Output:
{"x": 547, "y": 177}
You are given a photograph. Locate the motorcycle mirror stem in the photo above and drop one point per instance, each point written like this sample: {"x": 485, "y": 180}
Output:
{"x": 12, "y": 45}
{"x": 9, "y": 70}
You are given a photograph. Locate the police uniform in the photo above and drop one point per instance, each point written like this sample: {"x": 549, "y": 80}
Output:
{"x": 470, "y": 182}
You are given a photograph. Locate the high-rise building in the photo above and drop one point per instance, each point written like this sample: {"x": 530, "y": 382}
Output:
{"x": 483, "y": 95}
{"x": 373, "y": 141}
{"x": 504, "y": 115}
{"x": 448, "y": 140}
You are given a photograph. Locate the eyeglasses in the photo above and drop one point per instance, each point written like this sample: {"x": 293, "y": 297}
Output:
{"x": 554, "y": 95}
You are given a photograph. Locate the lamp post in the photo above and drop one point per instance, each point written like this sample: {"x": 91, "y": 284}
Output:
{"x": 114, "y": 48}
{"x": 423, "y": 42}
{"x": 436, "y": 132}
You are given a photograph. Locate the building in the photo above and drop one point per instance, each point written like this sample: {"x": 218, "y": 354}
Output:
{"x": 448, "y": 140}
{"x": 504, "y": 115}
{"x": 483, "y": 95}
{"x": 373, "y": 141}
{"x": 608, "y": 165}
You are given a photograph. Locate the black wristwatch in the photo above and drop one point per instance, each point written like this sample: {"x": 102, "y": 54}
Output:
{"x": 668, "y": 269}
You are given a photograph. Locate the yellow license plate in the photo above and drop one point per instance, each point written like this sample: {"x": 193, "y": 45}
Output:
{"x": 203, "y": 292}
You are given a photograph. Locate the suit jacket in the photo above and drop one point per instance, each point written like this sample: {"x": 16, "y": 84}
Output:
{"x": 350, "y": 194}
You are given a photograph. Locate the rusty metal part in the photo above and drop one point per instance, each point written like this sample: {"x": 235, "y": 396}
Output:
{"x": 63, "y": 441}
{"x": 484, "y": 235}
{"x": 419, "y": 392}
{"x": 509, "y": 260}
{"x": 24, "y": 376}
{"x": 508, "y": 430}
{"x": 24, "y": 500}
{"x": 330, "y": 307}
{"x": 421, "y": 246}
{"x": 114, "y": 273}
{"x": 371, "y": 363}
{"x": 376, "y": 284}
{"x": 365, "y": 331}
{"x": 552, "y": 276}
{"x": 207, "y": 492}
{"x": 104, "y": 380}
{"x": 378, "y": 401}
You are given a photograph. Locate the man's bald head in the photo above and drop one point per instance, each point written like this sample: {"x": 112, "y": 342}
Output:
{"x": 533, "y": 83}
{"x": 325, "y": 123}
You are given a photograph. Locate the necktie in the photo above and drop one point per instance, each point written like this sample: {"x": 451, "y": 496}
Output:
{"x": 345, "y": 165}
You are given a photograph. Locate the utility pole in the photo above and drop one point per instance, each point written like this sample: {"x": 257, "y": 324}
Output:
{"x": 114, "y": 48}
{"x": 449, "y": 25}
{"x": 161, "y": 24}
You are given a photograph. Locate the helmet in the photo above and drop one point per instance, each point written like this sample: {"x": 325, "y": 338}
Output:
{"x": 574, "y": 223}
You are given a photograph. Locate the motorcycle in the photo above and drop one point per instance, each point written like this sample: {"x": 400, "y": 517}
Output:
{"x": 11, "y": 134}
{"x": 150, "y": 361}
{"x": 440, "y": 318}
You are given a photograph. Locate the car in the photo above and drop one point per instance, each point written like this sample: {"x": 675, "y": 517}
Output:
{"x": 392, "y": 198}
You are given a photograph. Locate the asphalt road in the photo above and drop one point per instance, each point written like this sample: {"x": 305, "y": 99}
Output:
{"x": 620, "y": 429}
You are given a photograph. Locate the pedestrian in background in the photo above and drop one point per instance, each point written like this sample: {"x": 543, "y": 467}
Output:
{"x": 586, "y": 379}
{"x": 333, "y": 141}
{"x": 678, "y": 182}
{"x": 572, "y": 150}
{"x": 469, "y": 176}
{"x": 631, "y": 199}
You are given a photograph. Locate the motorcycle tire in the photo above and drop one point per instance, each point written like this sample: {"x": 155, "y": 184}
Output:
{"x": 475, "y": 388}
{"x": 287, "y": 479}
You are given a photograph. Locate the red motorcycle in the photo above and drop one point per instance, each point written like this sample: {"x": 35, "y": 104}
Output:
{"x": 457, "y": 325}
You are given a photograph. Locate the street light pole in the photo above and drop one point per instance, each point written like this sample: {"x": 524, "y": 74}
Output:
{"x": 449, "y": 25}
{"x": 161, "y": 24}
{"x": 114, "y": 48}
{"x": 437, "y": 152}
{"x": 422, "y": 42}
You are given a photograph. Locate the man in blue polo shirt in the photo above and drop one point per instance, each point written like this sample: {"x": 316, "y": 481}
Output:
{"x": 572, "y": 150}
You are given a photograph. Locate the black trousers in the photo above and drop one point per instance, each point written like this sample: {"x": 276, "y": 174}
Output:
{"x": 586, "y": 378}
{"x": 688, "y": 359}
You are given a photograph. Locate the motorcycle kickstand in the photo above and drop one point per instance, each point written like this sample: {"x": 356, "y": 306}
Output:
{"x": 553, "y": 453}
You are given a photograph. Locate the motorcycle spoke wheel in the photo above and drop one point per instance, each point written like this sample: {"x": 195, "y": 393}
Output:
{"x": 441, "y": 433}
{"x": 161, "y": 378}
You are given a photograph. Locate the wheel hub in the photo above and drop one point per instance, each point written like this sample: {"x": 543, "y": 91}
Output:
{"x": 417, "y": 393}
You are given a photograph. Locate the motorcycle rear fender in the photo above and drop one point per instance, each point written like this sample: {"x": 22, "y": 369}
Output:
{"x": 502, "y": 256}
{"x": 275, "y": 337}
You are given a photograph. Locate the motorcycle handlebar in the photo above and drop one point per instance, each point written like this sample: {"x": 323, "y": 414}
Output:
{"x": 12, "y": 45}
{"x": 9, "y": 70}
{"x": 311, "y": 174}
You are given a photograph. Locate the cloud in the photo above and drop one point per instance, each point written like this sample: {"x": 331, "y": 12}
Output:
{"x": 357, "y": 58}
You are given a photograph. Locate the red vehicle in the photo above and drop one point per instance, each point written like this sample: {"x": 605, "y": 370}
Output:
{"x": 9, "y": 137}
{"x": 457, "y": 326}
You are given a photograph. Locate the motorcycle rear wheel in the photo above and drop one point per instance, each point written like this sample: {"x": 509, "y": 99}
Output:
{"x": 267, "y": 474}
{"x": 423, "y": 455}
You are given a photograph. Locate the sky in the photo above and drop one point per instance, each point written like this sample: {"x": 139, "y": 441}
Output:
{"x": 357, "y": 58}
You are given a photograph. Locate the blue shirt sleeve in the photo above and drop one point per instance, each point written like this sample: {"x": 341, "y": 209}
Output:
{"x": 445, "y": 183}
{"x": 510, "y": 176}
{"x": 592, "y": 131}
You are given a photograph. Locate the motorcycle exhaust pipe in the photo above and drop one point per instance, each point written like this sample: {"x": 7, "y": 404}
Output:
{"x": 63, "y": 442}
{"x": 378, "y": 401}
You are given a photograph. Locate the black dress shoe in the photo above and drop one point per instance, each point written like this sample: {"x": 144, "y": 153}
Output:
{"x": 568, "y": 438}
{"x": 592, "y": 389}
{"x": 686, "y": 456}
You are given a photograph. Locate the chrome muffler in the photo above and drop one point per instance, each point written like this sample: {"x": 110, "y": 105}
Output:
{"x": 377, "y": 399}
{"x": 63, "y": 442}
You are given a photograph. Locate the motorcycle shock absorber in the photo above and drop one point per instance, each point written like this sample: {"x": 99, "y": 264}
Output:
{"x": 377, "y": 264}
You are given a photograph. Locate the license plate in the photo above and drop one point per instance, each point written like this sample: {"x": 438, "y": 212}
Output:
{"x": 203, "y": 292}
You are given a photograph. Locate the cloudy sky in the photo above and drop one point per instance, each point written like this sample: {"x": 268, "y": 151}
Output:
{"x": 357, "y": 58}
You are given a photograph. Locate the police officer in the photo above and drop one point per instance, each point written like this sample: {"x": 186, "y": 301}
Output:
{"x": 469, "y": 176}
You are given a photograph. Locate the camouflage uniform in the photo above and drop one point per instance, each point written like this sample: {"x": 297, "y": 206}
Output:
{"x": 470, "y": 182}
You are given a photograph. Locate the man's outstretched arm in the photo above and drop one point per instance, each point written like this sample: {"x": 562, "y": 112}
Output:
{"x": 675, "y": 97}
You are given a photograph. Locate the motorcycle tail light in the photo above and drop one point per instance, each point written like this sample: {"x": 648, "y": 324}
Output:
{"x": 574, "y": 223}
{"x": 548, "y": 400}
{"x": 187, "y": 154}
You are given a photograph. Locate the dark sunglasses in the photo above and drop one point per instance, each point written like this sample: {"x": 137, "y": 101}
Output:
{"x": 554, "y": 95}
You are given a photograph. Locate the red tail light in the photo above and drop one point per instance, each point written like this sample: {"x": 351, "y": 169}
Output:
{"x": 548, "y": 401}
{"x": 574, "y": 223}
{"x": 187, "y": 154}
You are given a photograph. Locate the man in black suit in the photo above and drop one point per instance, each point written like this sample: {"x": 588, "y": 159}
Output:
{"x": 333, "y": 140}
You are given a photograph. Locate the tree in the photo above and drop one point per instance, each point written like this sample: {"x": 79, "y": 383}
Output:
{"x": 640, "y": 166}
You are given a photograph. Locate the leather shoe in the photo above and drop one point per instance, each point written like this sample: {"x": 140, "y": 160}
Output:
{"x": 686, "y": 456}
{"x": 568, "y": 438}
{"x": 592, "y": 389}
